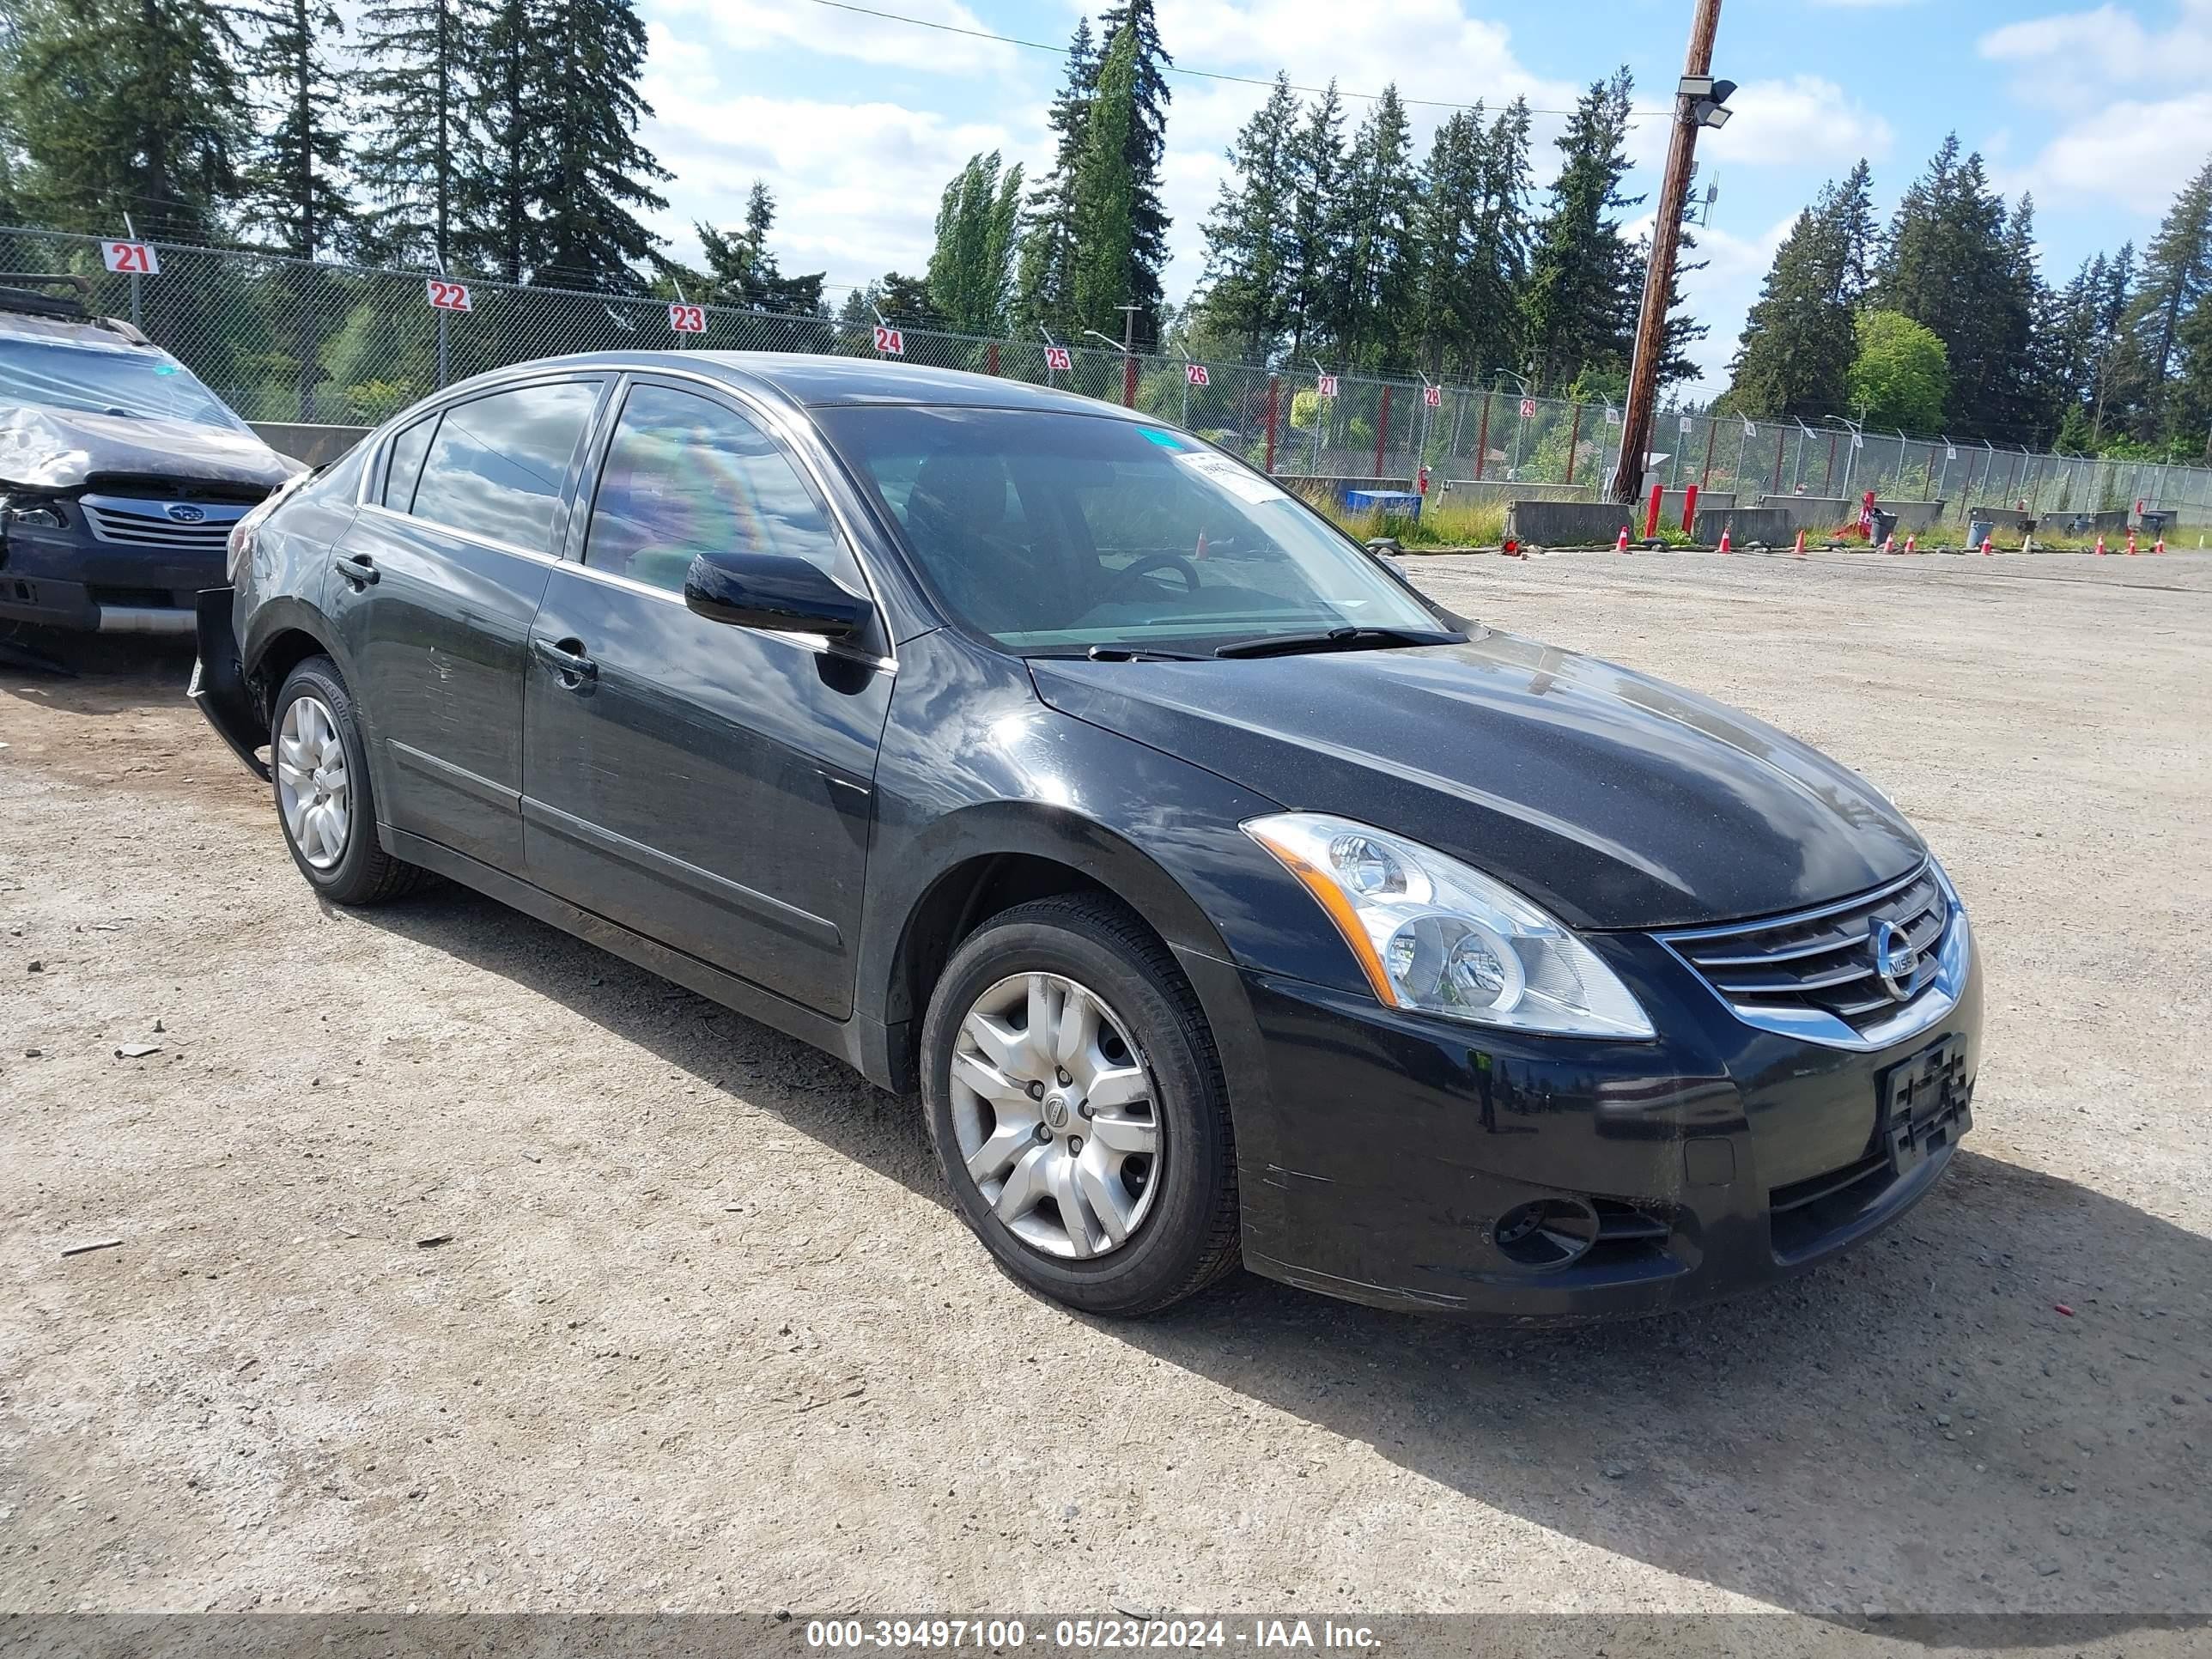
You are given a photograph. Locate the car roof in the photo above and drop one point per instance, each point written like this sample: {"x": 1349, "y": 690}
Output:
{"x": 35, "y": 316}
{"x": 812, "y": 381}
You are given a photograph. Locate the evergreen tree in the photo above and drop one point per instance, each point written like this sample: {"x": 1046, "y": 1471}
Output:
{"x": 1848, "y": 209}
{"x": 297, "y": 187}
{"x": 742, "y": 268}
{"x": 1045, "y": 286}
{"x": 1143, "y": 146}
{"x": 1373, "y": 286}
{"x": 904, "y": 299}
{"x": 595, "y": 171}
{"x": 132, "y": 106}
{"x": 2177, "y": 272}
{"x": 971, "y": 272}
{"x": 1317, "y": 228}
{"x": 418, "y": 148}
{"x": 1580, "y": 304}
{"x": 494, "y": 228}
{"x": 1105, "y": 196}
{"x": 1948, "y": 265}
{"x": 1797, "y": 343}
{"x": 1247, "y": 248}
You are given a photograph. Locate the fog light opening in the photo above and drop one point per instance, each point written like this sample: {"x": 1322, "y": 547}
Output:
{"x": 1546, "y": 1233}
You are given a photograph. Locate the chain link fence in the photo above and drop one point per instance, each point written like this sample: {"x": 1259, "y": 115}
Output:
{"x": 288, "y": 340}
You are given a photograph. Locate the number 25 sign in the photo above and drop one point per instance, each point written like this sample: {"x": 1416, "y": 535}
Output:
{"x": 445, "y": 296}
{"x": 137, "y": 258}
{"x": 1057, "y": 360}
{"x": 688, "y": 319}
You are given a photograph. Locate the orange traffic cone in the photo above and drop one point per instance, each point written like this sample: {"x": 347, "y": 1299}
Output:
{"x": 1801, "y": 543}
{"x": 1909, "y": 546}
{"x": 2101, "y": 544}
{"x": 1888, "y": 544}
{"x": 1990, "y": 545}
{"x": 2159, "y": 546}
{"x": 2131, "y": 541}
{"x": 1621, "y": 545}
{"x": 1725, "y": 538}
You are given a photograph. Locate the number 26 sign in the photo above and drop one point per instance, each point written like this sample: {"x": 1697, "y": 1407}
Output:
{"x": 134, "y": 258}
{"x": 445, "y": 296}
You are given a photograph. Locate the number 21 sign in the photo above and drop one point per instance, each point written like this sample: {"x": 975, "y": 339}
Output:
{"x": 445, "y": 296}
{"x": 135, "y": 259}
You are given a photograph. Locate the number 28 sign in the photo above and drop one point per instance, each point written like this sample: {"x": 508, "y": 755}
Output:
{"x": 135, "y": 259}
{"x": 445, "y": 296}
{"x": 688, "y": 319}
{"x": 1433, "y": 396}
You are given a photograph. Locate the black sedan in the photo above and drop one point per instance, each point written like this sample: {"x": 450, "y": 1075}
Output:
{"x": 1225, "y": 899}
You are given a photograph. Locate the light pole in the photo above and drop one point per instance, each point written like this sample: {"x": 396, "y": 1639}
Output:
{"x": 1321, "y": 414}
{"x": 1520, "y": 424}
{"x": 1114, "y": 345}
{"x": 1851, "y": 455}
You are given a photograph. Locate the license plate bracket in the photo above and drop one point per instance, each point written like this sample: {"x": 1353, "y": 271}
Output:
{"x": 1925, "y": 1104}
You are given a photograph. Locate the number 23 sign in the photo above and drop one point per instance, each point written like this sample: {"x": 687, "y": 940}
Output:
{"x": 445, "y": 296}
{"x": 688, "y": 319}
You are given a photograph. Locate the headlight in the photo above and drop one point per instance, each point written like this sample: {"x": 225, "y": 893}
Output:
{"x": 1437, "y": 937}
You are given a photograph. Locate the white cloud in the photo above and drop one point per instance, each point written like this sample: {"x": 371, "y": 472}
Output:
{"x": 2132, "y": 125}
{"x": 1806, "y": 122}
{"x": 757, "y": 26}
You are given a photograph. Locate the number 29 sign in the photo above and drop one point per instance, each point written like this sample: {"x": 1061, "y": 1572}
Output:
{"x": 445, "y": 296}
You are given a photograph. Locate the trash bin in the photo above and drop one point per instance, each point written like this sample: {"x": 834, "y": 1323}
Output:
{"x": 1885, "y": 525}
{"x": 1978, "y": 533}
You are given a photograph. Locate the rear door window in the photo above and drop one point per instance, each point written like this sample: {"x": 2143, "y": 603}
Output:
{"x": 686, "y": 475}
{"x": 499, "y": 465}
{"x": 406, "y": 465}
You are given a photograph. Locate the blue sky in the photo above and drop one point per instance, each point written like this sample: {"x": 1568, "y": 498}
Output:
{"x": 856, "y": 124}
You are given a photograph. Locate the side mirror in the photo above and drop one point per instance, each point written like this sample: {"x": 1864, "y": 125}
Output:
{"x": 770, "y": 591}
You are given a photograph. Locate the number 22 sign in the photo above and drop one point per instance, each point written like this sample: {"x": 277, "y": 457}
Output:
{"x": 136, "y": 258}
{"x": 688, "y": 319}
{"x": 445, "y": 296}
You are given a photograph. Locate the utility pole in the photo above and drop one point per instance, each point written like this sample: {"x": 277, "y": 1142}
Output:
{"x": 1696, "y": 103}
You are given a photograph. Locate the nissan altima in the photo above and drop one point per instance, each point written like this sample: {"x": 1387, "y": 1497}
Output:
{"x": 1223, "y": 899}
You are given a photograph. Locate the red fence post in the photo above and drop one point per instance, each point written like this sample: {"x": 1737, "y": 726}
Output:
{"x": 1574, "y": 441}
{"x": 1274, "y": 397}
{"x": 1128, "y": 381}
{"x": 991, "y": 358}
{"x": 1482, "y": 438}
{"x": 1651, "y": 512}
{"x": 1690, "y": 510}
{"x": 1382, "y": 430}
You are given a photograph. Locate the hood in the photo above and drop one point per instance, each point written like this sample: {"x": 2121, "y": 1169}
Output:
{"x": 1614, "y": 799}
{"x": 63, "y": 449}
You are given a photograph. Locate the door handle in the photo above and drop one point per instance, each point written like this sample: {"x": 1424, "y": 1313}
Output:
{"x": 356, "y": 567}
{"x": 566, "y": 660}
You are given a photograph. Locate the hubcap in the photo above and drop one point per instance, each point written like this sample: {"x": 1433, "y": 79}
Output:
{"x": 312, "y": 787}
{"x": 1055, "y": 1115}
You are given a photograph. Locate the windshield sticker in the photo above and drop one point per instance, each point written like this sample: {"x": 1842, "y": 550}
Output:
{"x": 1164, "y": 440}
{"x": 1220, "y": 470}
{"x": 165, "y": 368}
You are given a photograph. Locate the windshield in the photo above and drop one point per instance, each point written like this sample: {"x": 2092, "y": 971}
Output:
{"x": 1057, "y": 534}
{"x": 106, "y": 382}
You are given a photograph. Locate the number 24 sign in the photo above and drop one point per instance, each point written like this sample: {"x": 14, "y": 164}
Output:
{"x": 890, "y": 342}
{"x": 688, "y": 319}
{"x": 445, "y": 296}
{"x": 136, "y": 258}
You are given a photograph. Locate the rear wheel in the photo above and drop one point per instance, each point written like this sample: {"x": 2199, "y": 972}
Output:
{"x": 1076, "y": 1101}
{"x": 319, "y": 767}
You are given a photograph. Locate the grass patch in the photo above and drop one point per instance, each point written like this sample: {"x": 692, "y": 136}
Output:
{"x": 1439, "y": 525}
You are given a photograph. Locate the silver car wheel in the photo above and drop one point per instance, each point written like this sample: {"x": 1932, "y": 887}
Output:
{"x": 312, "y": 786}
{"x": 1054, "y": 1110}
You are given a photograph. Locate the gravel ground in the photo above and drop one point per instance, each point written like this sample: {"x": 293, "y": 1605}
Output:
{"x": 702, "y": 1333}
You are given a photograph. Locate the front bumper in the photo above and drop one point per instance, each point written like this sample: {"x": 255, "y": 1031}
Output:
{"x": 75, "y": 579}
{"x": 1378, "y": 1151}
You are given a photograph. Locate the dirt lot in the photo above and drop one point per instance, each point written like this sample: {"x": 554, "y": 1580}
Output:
{"x": 706, "y": 1336}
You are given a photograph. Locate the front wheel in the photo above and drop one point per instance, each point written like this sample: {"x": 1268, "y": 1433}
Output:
{"x": 1076, "y": 1101}
{"x": 320, "y": 767}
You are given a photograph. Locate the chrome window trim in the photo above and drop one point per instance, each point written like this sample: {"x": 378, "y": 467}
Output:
{"x": 491, "y": 542}
{"x": 1953, "y": 960}
{"x": 814, "y": 642}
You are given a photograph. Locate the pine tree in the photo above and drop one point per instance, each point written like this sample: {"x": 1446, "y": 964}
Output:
{"x": 297, "y": 187}
{"x": 1948, "y": 265}
{"x": 1373, "y": 285}
{"x": 417, "y": 91}
{"x": 2176, "y": 272}
{"x": 130, "y": 106}
{"x": 1246, "y": 245}
{"x": 1105, "y": 195}
{"x": 1580, "y": 303}
{"x": 742, "y": 268}
{"x": 1317, "y": 228}
{"x": 494, "y": 228}
{"x": 596, "y": 171}
{"x": 1045, "y": 286}
{"x": 971, "y": 272}
{"x": 1143, "y": 149}
{"x": 1798, "y": 343}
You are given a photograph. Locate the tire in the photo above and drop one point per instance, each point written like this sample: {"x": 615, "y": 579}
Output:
{"x": 361, "y": 872}
{"x": 1182, "y": 1195}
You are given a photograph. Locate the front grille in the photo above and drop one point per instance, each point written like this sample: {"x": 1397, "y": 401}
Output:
{"x": 1821, "y": 961}
{"x": 129, "y": 524}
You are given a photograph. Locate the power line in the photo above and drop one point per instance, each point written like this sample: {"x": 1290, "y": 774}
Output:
{"x": 1195, "y": 74}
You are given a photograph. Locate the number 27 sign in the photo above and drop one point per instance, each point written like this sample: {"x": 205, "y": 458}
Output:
{"x": 445, "y": 296}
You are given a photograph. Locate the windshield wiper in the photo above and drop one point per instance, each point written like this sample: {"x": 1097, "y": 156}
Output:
{"x": 1347, "y": 638}
{"x": 1137, "y": 654}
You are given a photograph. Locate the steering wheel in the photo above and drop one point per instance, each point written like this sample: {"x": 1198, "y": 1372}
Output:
{"x": 1145, "y": 566}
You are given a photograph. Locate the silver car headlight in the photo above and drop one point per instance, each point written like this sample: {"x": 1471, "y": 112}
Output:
{"x": 1436, "y": 937}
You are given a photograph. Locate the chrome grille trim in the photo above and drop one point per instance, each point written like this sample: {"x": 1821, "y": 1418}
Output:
{"x": 127, "y": 522}
{"x": 1824, "y": 989}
